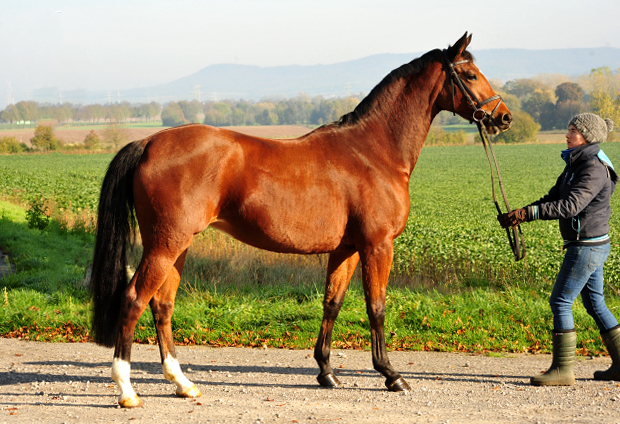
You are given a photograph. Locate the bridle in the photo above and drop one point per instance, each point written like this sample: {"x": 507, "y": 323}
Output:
{"x": 515, "y": 236}
{"x": 479, "y": 114}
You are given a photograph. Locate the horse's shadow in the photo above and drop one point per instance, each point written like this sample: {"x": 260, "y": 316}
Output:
{"x": 154, "y": 375}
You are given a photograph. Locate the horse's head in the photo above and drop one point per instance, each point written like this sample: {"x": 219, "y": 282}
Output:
{"x": 467, "y": 91}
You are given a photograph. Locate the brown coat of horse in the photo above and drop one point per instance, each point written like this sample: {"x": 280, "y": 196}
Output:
{"x": 342, "y": 189}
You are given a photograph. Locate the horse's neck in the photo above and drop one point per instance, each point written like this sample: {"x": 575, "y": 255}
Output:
{"x": 407, "y": 117}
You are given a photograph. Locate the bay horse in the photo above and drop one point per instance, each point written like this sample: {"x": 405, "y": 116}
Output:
{"x": 341, "y": 189}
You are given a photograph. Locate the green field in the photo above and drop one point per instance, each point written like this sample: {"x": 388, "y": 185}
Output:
{"x": 455, "y": 285}
{"x": 71, "y": 181}
{"x": 452, "y": 222}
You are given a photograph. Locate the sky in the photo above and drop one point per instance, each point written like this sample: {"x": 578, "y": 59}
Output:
{"x": 115, "y": 45}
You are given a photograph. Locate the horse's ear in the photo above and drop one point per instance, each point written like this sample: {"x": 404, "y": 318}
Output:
{"x": 459, "y": 47}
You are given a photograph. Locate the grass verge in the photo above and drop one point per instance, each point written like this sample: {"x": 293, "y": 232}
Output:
{"x": 233, "y": 295}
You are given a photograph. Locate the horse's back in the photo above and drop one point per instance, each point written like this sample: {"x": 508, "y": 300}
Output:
{"x": 281, "y": 195}
{"x": 318, "y": 193}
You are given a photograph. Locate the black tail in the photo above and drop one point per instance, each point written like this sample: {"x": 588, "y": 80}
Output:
{"x": 116, "y": 220}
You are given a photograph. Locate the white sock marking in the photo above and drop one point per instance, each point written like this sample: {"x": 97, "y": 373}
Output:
{"x": 172, "y": 372}
{"x": 120, "y": 374}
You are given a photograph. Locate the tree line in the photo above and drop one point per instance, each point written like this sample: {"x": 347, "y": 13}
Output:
{"x": 32, "y": 111}
{"x": 113, "y": 137}
{"x": 548, "y": 102}
{"x": 544, "y": 102}
{"x": 552, "y": 101}
{"x": 300, "y": 110}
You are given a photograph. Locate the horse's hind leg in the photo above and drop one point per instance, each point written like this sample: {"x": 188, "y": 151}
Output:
{"x": 162, "y": 306}
{"x": 149, "y": 277}
{"x": 340, "y": 268}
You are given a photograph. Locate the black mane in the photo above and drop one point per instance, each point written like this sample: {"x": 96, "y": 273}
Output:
{"x": 403, "y": 71}
{"x": 413, "y": 67}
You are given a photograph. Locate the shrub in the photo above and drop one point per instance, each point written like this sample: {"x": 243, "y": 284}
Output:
{"x": 92, "y": 141}
{"x": 438, "y": 137}
{"x": 523, "y": 129}
{"x": 37, "y": 214}
{"x": 11, "y": 145}
{"x": 172, "y": 115}
{"x": 114, "y": 135}
{"x": 44, "y": 138}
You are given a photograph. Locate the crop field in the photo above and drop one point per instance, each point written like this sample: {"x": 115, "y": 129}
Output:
{"x": 454, "y": 285}
{"x": 452, "y": 237}
{"x": 70, "y": 181}
{"x": 452, "y": 223}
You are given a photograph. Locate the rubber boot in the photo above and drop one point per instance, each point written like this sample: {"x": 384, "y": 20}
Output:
{"x": 561, "y": 371}
{"x": 612, "y": 342}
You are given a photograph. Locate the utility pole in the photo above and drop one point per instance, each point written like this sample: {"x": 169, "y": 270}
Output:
{"x": 196, "y": 92}
{"x": 10, "y": 99}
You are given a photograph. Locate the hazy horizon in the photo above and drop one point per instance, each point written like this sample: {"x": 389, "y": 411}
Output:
{"x": 69, "y": 44}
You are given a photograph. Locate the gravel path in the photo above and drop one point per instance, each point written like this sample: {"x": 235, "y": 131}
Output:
{"x": 70, "y": 383}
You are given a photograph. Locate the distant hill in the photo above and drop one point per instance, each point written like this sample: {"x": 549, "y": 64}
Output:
{"x": 229, "y": 81}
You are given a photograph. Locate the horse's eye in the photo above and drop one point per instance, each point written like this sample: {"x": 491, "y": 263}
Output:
{"x": 471, "y": 77}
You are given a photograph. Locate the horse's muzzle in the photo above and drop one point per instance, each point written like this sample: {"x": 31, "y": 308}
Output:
{"x": 497, "y": 124}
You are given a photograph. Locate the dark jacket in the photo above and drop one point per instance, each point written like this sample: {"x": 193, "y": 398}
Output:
{"x": 580, "y": 197}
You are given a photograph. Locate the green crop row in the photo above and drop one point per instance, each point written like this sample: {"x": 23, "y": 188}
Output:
{"x": 452, "y": 237}
{"x": 71, "y": 181}
{"x": 452, "y": 224}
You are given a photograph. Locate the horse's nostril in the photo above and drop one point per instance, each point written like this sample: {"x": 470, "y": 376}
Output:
{"x": 506, "y": 118}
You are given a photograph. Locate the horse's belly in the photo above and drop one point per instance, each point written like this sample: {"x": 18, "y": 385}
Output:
{"x": 284, "y": 235}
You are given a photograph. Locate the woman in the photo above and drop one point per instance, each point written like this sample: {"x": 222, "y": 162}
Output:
{"x": 580, "y": 201}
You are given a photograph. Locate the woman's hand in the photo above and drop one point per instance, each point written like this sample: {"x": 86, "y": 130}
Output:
{"x": 512, "y": 219}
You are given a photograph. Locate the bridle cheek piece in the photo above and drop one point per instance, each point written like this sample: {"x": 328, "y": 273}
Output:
{"x": 479, "y": 114}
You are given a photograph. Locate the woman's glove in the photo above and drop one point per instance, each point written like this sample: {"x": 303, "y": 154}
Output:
{"x": 512, "y": 219}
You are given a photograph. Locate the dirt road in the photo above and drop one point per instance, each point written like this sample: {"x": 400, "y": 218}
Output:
{"x": 70, "y": 383}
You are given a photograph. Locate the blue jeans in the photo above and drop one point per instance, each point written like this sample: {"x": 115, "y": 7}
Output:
{"x": 581, "y": 272}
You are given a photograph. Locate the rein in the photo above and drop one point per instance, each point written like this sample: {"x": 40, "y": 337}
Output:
{"x": 514, "y": 234}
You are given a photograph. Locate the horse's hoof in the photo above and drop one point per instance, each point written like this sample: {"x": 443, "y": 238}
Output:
{"x": 190, "y": 392}
{"x": 329, "y": 380}
{"x": 398, "y": 385}
{"x": 130, "y": 402}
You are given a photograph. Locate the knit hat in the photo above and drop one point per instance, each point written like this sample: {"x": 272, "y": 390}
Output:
{"x": 592, "y": 127}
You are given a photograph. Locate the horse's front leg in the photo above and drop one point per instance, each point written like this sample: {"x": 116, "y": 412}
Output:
{"x": 162, "y": 306}
{"x": 376, "y": 264}
{"x": 340, "y": 268}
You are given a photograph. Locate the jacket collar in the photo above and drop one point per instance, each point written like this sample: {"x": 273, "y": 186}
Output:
{"x": 584, "y": 152}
